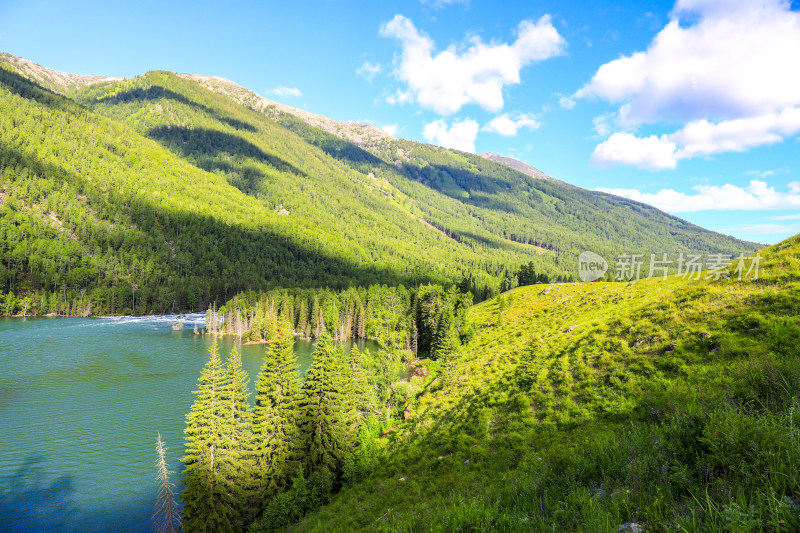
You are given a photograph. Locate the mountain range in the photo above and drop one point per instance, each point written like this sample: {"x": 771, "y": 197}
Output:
{"x": 169, "y": 191}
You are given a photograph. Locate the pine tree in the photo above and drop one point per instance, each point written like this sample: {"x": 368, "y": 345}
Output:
{"x": 363, "y": 395}
{"x": 276, "y": 416}
{"x": 236, "y": 450}
{"x": 302, "y": 316}
{"x": 326, "y": 414}
{"x": 446, "y": 339}
{"x": 166, "y": 516}
{"x": 209, "y": 497}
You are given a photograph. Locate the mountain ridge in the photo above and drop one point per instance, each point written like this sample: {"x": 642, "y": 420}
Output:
{"x": 518, "y": 165}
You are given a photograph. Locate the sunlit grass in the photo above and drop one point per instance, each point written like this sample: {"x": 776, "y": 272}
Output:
{"x": 670, "y": 403}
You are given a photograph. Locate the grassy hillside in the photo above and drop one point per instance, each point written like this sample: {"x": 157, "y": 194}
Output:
{"x": 668, "y": 403}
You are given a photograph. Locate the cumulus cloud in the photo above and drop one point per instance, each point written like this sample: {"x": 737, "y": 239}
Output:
{"x": 399, "y": 97}
{"x": 757, "y": 195}
{"x": 567, "y": 102}
{"x": 508, "y": 125}
{"x": 448, "y": 80}
{"x": 460, "y": 135}
{"x": 391, "y": 129}
{"x": 287, "y": 92}
{"x": 652, "y": 153}
{"x": 369, "y": 70}
{"x": 725, "y": 71}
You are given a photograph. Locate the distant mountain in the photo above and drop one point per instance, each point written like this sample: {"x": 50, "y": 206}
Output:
{"x": 54, "y": 80}
{"x": 360, "y": 134}
{"x": 169, "y": 191}
{"x": 517, "y": 165}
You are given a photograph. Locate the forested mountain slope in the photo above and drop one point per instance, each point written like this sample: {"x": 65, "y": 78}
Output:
{"x": 93, "y": 211}
{"x": 670, "y": 404}
{"x": 479, "y": 198}
{"x": 164, "y": 192}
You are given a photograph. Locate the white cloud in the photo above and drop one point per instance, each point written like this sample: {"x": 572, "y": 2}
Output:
{"x": 399, "y": 97}
{"x": 391, "y": 129}
{"x": 369, "y": 70}
{"x": 601, "y": 125}
{"x": 653, "y": 153}
{"x": 701, "y": 137}
{"x": 566, "y": 102}
{"x": 508, "y": 125}
{"x": 448, "y": 80}
{"x": 724, "y": 70}
{"x": 287, "y": 92}
{"x": 787, "y": 217}
{"x": 460, "y": 135}
{"x": 757, "y": 195}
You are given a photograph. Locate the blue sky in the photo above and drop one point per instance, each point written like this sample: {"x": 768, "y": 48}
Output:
{"x": 692, "y": 106}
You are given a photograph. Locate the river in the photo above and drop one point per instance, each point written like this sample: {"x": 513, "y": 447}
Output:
{"x": 81, "y": 402}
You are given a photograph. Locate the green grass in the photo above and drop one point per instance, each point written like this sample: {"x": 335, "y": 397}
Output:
{"x": 585, "y": 430}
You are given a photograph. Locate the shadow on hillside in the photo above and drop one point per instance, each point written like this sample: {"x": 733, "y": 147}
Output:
{"x": 30, "y": 90}
{"x": 195, "y": 143}
{"x": 332, "y": 145}
{"x": 245, "y": 177}
{"x": 213, "y": 254}
{"x": 156, "y": 92}
{"x": 32, "y": 500}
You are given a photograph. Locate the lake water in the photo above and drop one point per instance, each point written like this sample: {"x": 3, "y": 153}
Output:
{"x": 81, "y": 402}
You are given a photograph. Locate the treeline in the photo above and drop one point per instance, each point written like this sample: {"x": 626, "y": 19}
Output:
{"x": 428, "y": 319}
{"x": 296, "y": 446}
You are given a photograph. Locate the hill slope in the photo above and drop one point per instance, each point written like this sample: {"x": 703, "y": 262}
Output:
{"x": 97, "y": 200}
{"x": 485, "y": 205}
{"x": 668, "y": 403}
{"x": 486, "y": 191}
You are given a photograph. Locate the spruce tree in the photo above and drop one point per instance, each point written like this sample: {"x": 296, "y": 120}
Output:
{"x": 276, "y": 416}
{"x": 209, "y": 497}
{"x": 326, "y": 414}
{"x": 235, "y": 458}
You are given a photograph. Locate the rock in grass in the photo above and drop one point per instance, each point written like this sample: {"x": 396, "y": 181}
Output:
{"x": 639, "y": 341}
{"x": 705, "y": 335}
{"x": 631, "y": 527}
{"x": 671, "y": 347}
{"x": 598, "y": 493}
{"x": 572, "y": 328}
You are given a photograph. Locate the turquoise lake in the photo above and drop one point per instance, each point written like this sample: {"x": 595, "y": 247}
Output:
{"x": 81, "y": 402}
